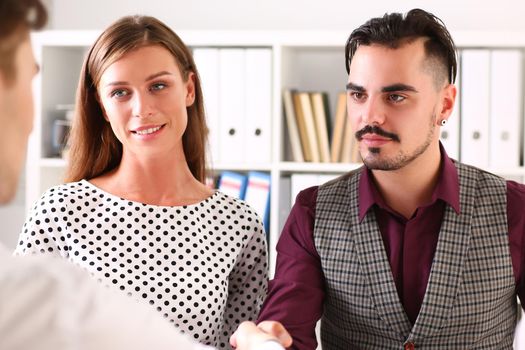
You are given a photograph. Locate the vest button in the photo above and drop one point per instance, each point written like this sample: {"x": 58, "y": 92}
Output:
{"x": 410, "y": 346}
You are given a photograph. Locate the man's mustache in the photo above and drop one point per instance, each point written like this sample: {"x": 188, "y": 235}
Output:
{"x": 373, "y": 129}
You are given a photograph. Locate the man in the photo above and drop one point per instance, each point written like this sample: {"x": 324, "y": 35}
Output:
{"x": 413, "y": 250}
{"x": 46, "y": 303}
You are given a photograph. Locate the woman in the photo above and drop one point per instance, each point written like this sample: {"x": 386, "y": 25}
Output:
{"x": 135, "y": 211}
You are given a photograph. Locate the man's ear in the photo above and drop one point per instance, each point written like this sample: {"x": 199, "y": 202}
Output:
{"x": 448, "y": 100}
{"x": 190, "y": 89}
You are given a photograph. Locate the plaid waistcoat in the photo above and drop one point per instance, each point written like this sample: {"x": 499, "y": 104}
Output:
{"x": 470, "y": 301}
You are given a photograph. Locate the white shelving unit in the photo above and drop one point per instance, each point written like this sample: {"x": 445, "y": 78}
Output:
{"x": 303, "y": 60}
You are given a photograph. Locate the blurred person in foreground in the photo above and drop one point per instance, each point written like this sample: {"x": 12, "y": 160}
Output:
{"x": 46, "y": 303}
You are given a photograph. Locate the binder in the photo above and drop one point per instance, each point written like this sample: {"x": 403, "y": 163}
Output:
{"x": 449, "y": 135}
{"x": 258, "y": 111}
{"x": 291, "y": 123}
{"x": 284, "y": 200}
{"x": 311, "y": 132}
{"x": 232, "y": 96}
{"x": 258, "y": 195}
{"x": 505, "y": 108}
{"x": 301, "y": 123}
{"x": 233, "y": 184}
{"x": 321, "y": 116}
{"x": 207, "y": 62}
{"x": 299, "y": 182}
{"x": 475, "y": 92}
{"x": 339, "y": 127}
{"x": 324, "y": 178}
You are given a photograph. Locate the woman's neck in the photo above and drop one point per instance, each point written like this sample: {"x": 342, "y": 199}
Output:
{"x": 154, "y": 180}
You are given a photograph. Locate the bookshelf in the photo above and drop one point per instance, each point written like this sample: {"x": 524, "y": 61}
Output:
{"x": 306, "y": 60}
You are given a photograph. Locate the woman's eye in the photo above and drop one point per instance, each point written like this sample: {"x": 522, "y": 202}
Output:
{"x": 158, "y": 86}
{"x": 396, "y": 98}
{"x": 119, "y": 93}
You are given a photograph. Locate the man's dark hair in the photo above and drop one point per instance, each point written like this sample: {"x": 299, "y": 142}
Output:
{"x": 17, "y": 18}
{"x": 393, "y": 30}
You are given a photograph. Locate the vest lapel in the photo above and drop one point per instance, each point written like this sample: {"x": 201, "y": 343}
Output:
{"x": 375, "y": 265}
{"x": 448, "y": 264}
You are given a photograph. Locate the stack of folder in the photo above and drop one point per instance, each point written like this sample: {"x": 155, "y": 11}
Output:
{"x": 491, "y": 107}
{"x": 237, "y": 89}
{"x": 312, "y": 134}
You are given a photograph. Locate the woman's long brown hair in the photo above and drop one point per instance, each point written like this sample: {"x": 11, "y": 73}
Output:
{"x": 94, "y": 149}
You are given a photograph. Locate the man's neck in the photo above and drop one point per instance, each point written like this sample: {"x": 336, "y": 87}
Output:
{"x": 406, "y": 189}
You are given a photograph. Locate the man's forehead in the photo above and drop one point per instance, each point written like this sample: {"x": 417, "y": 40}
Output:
{"x": 409, "y": 47}
{"x": 377, "y": 61}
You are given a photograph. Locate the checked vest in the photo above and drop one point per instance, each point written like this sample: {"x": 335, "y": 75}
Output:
{"x": 470, "y": 301}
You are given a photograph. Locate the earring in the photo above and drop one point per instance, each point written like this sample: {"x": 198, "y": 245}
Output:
{"x": 443, "y": 122}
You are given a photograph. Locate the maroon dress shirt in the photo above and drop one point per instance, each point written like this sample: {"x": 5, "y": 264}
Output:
{"x": 295, "y": 296}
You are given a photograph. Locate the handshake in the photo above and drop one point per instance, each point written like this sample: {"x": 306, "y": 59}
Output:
{"x": 267, "y": 335}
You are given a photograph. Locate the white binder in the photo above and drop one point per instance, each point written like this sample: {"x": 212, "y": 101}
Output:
{"x": 324, "y": 178}
{"x": 505, "y": 109}
{"x": 475, "y": 92}
{"x": 300, "y": 182}
{"x": 207, "y": 62}
{"x": 450, "y": 132}
{"x": 285, "y": 185}
{"x": 258, "y": 111}
{"x": 232, "y": 94}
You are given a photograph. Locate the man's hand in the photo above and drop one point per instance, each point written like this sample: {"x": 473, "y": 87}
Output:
{"x": 248, "y": 336}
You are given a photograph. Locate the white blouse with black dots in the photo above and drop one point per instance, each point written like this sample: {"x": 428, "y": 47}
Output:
{"x": 203, "y": 266}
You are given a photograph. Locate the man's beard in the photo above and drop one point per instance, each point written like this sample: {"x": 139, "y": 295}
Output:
{"x": 374, "y": 160}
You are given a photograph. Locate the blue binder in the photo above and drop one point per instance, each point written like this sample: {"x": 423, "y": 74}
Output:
{"x": 258, "y": 195}
{"x": 233, "y": 184}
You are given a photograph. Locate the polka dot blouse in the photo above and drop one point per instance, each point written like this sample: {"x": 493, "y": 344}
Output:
{"x": 203, "y": 266}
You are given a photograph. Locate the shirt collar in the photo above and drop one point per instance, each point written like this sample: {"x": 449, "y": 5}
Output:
{"x": 447, "y": 187}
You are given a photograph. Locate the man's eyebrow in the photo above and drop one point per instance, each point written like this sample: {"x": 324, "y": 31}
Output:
{"x": 398, "y": 87}
{"x": 389, "y": 88}
{"x": 354, "y": 87}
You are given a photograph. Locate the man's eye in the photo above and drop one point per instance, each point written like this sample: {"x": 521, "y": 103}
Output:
{"x": 396, "y": 98}
{"x": 119, "y": 93}
{"x": 357, "y": 95}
